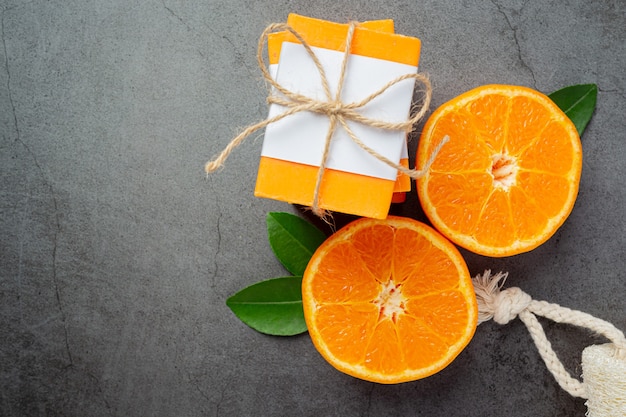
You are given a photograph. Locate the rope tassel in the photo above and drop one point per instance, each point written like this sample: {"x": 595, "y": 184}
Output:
{"x": 604, "y": 366}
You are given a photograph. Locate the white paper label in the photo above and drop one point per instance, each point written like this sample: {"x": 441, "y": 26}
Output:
{"x": 272, "y": 69}
{"x": 300, "y": 137}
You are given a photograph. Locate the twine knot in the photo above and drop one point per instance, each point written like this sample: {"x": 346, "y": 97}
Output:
{"x": 332, "y": 106}
{"x": 336, "y": 108}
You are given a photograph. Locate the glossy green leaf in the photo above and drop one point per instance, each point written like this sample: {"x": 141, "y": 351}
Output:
{"x": 272, "y": 307}
{"x": 293, "y": 240}
{"x": 577, "y": 102}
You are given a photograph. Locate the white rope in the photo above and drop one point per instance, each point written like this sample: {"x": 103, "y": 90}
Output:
{"x": 504, "y": 305}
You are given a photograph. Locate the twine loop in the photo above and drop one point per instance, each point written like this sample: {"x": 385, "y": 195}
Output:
{"x": 504, "y": 305}
{"x": 332, "y": 106}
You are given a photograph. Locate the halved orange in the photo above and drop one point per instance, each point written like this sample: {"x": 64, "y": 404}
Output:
{"x": 508, "y": 178}
{"x": 388, "y": 301}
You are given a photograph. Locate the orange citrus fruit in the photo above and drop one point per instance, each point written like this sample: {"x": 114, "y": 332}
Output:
{"x": 508, "y": 178}
{"x": 388, "y": 301}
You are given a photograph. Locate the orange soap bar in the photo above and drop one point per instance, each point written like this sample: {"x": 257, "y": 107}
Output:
{"x": 275, "y": 41}
{"x": 342, "y": 191}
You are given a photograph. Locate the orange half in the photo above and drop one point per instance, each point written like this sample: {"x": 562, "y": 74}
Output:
{"x": 388, "y": 301}
{"x": 508, "y": 178}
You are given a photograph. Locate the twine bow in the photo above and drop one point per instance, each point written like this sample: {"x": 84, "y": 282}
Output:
{"x": 338, "y": 112}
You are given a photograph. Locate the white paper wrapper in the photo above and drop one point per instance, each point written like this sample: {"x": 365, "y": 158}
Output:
{"x": 300, "y": 138}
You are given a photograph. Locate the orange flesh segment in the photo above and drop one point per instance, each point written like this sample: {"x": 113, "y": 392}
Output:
{"x": 350, "y": 326}
{"x": 401, "y": 338}
{"x": 445, "y": 314}
{"x": 384, "y": 354}
{"x": 495, "y": 130}
{"x": 419, "y": 343}
{"x": 343, "y": 277}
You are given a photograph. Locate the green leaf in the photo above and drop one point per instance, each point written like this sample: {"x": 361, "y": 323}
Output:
{"x": 293, "y": 240}
{"x": 577, "y": 102}
{"x": 272, "y": 307}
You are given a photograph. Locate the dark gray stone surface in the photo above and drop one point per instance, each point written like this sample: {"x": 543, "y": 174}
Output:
{"x": 117, "y": 253}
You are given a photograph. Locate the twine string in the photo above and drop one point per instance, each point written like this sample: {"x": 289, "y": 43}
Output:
{"x": 333, "y": 115}
{"x": 504, "y": 305}
{"x": 338, "y": 112}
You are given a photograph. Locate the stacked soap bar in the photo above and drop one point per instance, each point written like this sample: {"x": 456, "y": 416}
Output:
{"x": 353, "y": 181}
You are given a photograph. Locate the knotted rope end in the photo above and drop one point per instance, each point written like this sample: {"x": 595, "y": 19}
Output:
{"x": 487, "y": 287}
{"x": 504, "y": 305}
{"x": 494, "y": 303}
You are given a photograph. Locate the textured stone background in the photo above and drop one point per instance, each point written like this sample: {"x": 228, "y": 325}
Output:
{"x": 117, "y": 253}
